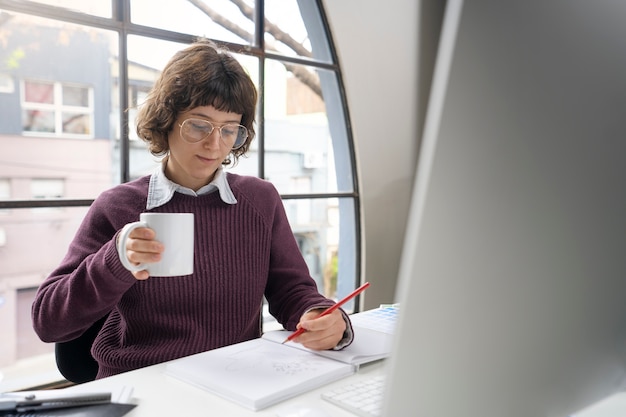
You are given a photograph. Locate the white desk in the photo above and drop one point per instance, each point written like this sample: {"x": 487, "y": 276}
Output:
{"x": 157, "y": 394}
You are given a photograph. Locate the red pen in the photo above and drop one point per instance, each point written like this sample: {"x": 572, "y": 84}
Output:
{"x": 330, "y": 309}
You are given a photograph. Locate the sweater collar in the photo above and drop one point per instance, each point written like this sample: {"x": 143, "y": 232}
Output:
{"x": 161, "y": 189}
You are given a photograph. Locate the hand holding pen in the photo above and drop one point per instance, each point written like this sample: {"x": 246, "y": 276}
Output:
{"x": 327, "y": 312}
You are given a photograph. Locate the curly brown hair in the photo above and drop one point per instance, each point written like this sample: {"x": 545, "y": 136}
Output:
{"x": 200, "y": 75}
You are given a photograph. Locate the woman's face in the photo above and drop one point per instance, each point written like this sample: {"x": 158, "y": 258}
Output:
{"x": 193, "y": 165}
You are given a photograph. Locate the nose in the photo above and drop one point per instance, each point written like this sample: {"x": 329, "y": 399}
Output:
{"x": 213, "y": 139}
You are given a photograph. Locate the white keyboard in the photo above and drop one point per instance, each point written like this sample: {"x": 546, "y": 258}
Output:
{"x": 382, "y": 319}
{"x": 363, "y": 398}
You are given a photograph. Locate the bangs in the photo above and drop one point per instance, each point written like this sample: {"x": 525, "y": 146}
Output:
{"x": 225, "y": 91}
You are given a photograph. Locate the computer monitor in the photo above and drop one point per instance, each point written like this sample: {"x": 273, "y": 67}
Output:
{"x": 512, "y": 282}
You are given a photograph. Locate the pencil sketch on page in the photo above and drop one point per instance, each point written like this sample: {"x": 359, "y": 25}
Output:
{"x": 259, "y": 372}
{"x": 262, "y": 358}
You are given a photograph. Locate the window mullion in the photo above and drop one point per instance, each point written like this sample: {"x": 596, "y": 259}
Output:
{"x": 58, "y": 109}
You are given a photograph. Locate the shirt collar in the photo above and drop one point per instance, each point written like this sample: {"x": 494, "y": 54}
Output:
{"x": 161, "y": 189}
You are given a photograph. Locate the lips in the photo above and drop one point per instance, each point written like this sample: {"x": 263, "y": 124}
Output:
{"x": 206, "y": 160}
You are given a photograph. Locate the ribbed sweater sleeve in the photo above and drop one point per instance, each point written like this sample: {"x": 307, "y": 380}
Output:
{"x": 242, "y": 252}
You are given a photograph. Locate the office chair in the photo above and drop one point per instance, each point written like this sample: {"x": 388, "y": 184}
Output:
{"x": 73, "y": 357}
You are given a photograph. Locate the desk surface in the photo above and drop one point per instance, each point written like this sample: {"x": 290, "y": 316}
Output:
{"x": 158, "y": 394}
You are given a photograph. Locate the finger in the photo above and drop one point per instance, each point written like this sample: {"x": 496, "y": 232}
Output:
{"x": 323, "y": 332}
{"x": 320, "y": 340}
{"x": 144, "y": 233}
{"x": 318, "y": 323}
{"x": 143, "y": 257}
{"x": 141, "y": 275}
{"x": 141, "y": 245}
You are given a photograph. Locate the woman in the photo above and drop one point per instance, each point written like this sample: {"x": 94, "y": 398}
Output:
{"x": 200, "y": 115}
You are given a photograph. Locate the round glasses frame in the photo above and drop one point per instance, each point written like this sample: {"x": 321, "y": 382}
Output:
{"x": 196, "y": 130}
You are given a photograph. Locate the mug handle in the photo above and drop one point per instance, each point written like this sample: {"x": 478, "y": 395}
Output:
{"x": 121, "y": 246}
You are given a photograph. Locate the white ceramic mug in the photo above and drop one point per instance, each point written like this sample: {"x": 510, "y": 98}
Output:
{"x": 175, "y": 231}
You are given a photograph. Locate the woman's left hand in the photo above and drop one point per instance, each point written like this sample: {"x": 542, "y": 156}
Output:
{"x": 321, "y": 332}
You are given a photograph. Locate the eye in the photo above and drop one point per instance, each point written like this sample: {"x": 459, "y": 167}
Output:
{"x": 230, "y": 130}
{"x": 202, "y": 127}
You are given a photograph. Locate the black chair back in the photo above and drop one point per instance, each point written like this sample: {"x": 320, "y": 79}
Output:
{"x": 74, "y": 359}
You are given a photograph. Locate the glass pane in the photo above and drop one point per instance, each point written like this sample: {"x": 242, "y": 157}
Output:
{"x": 25, "y": 360}
{"x": 100, "y": 8}
{"x": 294, "y": 28}
{"x": 146, "y": 57}
{"x": 303, "y": 139}
{"x": 38, "y": 92}
{"x": 38, "y": 139}
{"x": 325, "y": 232}
{"x": 214, "y": 19}
{"x": 38, "y": 121}
{"x": 77, "y": 123}
{"x": 28, "y": 344}
{"x": 75, "y": 96}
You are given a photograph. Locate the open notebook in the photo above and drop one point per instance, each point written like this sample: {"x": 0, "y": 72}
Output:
{"x": 373, "y": 335}
{"x": 261, "y": 372}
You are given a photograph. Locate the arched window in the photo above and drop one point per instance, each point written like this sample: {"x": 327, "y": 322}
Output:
{"x": 72, "y": 74}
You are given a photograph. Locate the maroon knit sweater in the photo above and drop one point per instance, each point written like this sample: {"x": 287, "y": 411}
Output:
{"x": 242, "y": 252}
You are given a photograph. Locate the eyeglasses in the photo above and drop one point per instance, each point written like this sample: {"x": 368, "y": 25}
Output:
{"x": 195, "y": 130}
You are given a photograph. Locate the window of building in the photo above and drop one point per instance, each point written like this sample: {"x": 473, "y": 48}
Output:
{"x": 47, "y": 188}
{"x": 56, "y": 108}
{"x": 5, "y": 189}
{"x": 6, "y": 83}
{"x": 86, "y": 66}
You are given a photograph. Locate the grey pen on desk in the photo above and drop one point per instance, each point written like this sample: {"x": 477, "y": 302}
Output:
{"x": 29, "y": 401}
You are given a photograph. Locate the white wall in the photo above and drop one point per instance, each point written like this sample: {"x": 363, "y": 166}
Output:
{"x": 386, "y": 56}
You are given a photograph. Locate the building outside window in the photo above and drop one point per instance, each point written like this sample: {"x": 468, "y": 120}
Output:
{"x": 72, "y": 75}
